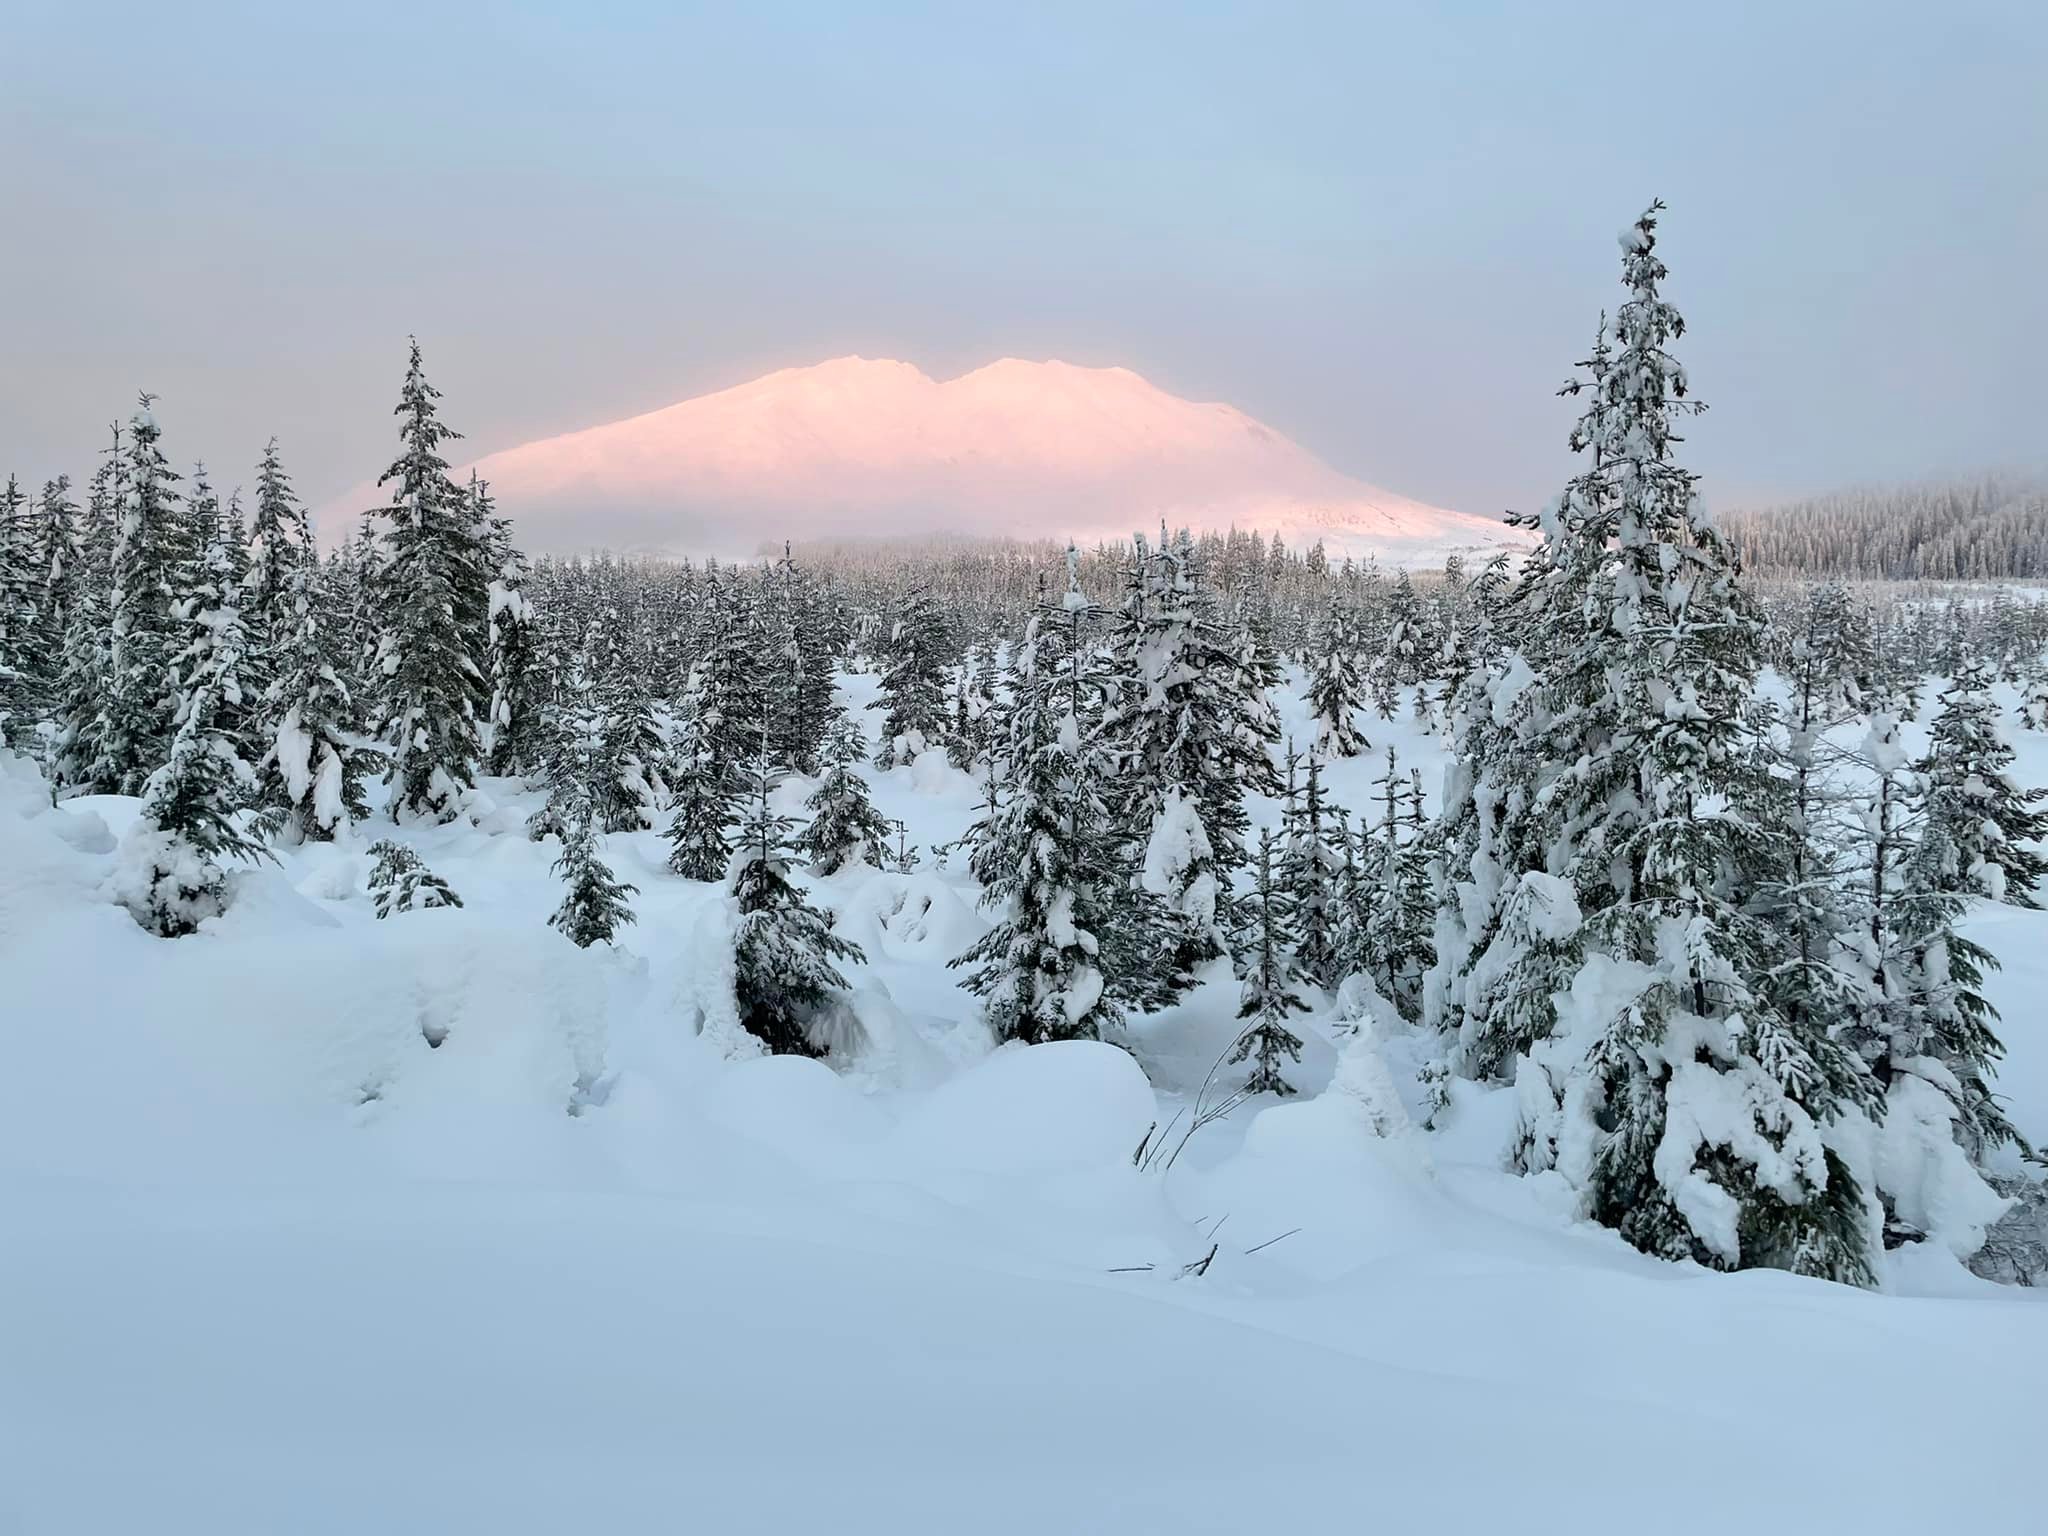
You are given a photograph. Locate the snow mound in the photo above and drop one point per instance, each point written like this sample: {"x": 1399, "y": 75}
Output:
{"x": 1346, "y": 1173}
{"x": 40, "y": 847}
{"x": 801, "y": 1108}
{"x": 888, "y": 914}
{"x": 1067, "y": 1106}
{"x": 1929, "y": 1177}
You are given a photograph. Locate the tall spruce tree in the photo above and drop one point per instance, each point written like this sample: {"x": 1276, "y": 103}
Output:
{"x": 1336, "y": 688}
{"x": 419, "y": 590}
{"x": 514, "y": 734}
{"x": 634, "y": 749}
{"x": 1396, "y": 950}
{"x": 135, "y": 718}
{"x": 86, "y": 665}
{"x": 170, "y": 874}
{"x": 584, "y": 777}
{"x": 799, "y": 658}
{"x": 978, "y": 715}
{"x": 575, "y": 769}
{"x": 1138, "y": 952}
{"x": 727, "y": 686}
{"x": 1919, "y": 1019}
{"x": 705, "y": 791}
{"x": 1687, "y": 1111}
{"x": 234, "y": 538}
{"x": 310, "y": 778}
{"x": 913, "y": 693}
{"x": 1803, "y": 823}
{"x": 281, "y": 545}
{"x": 1038, "y": 969}
{"x": 20, "y": 704}
{"x": 1190, "y": 741}
{"x": 1309, "y": 869}
{"x": 1408, "y": 641}
{"x": 56, "y": 586}
{"x": 213, "y": 555}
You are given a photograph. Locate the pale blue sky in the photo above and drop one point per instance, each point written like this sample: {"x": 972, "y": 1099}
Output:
{"x": 1385, "y": 229}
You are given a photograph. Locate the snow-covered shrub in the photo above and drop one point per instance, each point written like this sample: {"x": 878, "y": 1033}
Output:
{"x": 401, "y": 881}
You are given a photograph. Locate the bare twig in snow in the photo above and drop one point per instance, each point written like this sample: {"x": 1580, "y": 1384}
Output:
{"x": 1138, "y": 1157}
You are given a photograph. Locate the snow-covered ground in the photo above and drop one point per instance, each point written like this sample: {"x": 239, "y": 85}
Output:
{"x": 311, "y": 1222}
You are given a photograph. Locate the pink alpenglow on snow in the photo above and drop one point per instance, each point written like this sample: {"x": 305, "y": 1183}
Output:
{"x": 861, "y": 447}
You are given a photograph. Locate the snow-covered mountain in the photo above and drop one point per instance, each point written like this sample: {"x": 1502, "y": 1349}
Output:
{"x": 865, "y": 447}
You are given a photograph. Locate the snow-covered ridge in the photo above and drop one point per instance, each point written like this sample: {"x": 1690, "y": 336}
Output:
{"x": 1018, "y": 449}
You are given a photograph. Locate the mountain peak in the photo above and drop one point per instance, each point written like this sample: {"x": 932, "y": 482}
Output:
{"x": 1016, "y": 448}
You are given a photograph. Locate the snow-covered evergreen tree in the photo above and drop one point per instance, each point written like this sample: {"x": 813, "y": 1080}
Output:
{"x": 581, "y": 778}
{"x": 785, "y": 953}
{"x": 1268, "y": 996}
{"x": 1987, "y": 820}
{"x": 281, "y": 546}
{"x": 1382, "y": 687}
{"x": 2034, "y": 696}
{"x": 1686, "y": 1110}
{"x": 1409, "y": 643}
{"x": 400, "y": 881}
{"x": 1489, "y": 594}
{"x": 727, "y": 687}
{"x": 904, "y": 857}
{"x": 633, "y": 750}
{"x": 20, "y": 704}
{"x": 799, "y": 656}
{"x": 913, "y": 694}
{"x": 1508, "y": 988}
{"x": 845, "y": 828}
{"x": 1918, "y": 1019}
{"x": 1037, "y": 970}
{"x": 1137, "y": 953}
{"x": 1309, "y": 868}
{"x": 310, "y": 778}
{"x": 514, "y": 735}
{"x": 703, "y": 794}
{"x": 234, "y": 538}
{"x": 1801, "y": 823}
{"x": 1336, "y": 688}
{"x": 170, "y": 875}
{"x": 86, "y": 664}
{"x": 134, "y": 725}
{"x": 344, "y": 589}
{"x": 1478, "y": 995}
{"x": 213, "y": 554}
{"x": 199, "y": 529}
{"x": 54, "y": 587}
{"x": 1396, "y": 948}
{"x": 594, "y": 906}
{"x": 1189, "y": 741}
{"x": 431, "y": 688}
{"x": 978, "y": 718}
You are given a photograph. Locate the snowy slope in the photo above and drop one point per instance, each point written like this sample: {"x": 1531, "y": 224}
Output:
{"x": 319, "y": 1223}
{"x": 862, "y": 447}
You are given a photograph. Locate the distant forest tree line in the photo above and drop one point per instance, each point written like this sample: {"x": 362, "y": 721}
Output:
{"x": 1990, "y": 528}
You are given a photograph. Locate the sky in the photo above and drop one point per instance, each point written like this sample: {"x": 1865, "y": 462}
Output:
{"x": 1385, "y": 229}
